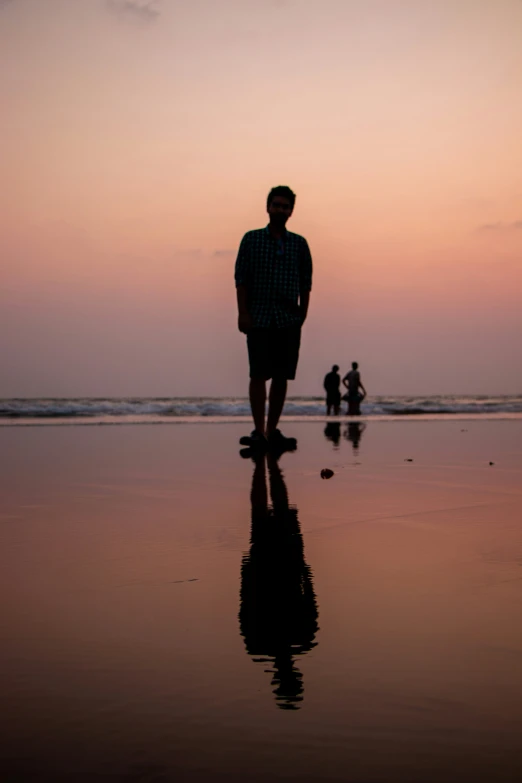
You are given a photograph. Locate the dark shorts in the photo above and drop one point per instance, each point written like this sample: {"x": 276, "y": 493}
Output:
{"x": 274, "y": 353}
{"x": 333, "y": 398}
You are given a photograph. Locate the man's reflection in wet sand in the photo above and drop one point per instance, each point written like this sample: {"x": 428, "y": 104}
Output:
{"x": 332, "y": 432}
{"x": 278, "y": 610}
{"x": 353, "y": 433}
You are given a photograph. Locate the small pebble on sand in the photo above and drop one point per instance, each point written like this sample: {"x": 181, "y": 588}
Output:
{"x": 326, "y": 473}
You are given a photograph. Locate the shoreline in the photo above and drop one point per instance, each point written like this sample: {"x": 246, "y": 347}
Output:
{"x": 61, "y": 421}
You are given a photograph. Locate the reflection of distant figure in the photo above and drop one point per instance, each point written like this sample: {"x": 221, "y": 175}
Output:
{"x": 278, "y": 611}
{"x": 352, "y": 381}
{"x": 332, "y": 383}
{"x": 353, "y": 433}
{"x": 332, "y": 432}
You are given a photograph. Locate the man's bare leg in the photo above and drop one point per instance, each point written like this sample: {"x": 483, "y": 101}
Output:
{"x": 276, "y": 403}
{"x": 257, "y": 392}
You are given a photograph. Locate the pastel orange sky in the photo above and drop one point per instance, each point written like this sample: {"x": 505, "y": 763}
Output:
{"x": 139, "y": 141}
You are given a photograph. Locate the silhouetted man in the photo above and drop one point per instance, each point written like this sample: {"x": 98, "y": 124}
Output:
{"x": 352, "y": 381}
{"x": 332, "y": 383}
{"x": 273, "y": 280}
{"x": 278, "y": 609}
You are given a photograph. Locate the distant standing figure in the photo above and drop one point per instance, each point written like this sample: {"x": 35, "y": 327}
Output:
{"x": 332, "y": 383}
{"x": 352, "y": 381}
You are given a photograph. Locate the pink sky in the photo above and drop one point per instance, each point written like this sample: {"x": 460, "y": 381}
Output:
{"x": 139, "y": 140}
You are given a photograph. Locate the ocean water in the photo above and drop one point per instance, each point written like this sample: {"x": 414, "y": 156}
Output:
{"x": 121, "y": 410}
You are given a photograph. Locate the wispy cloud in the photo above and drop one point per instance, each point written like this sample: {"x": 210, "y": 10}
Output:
{"x": 187, "y": 252}
{"x": 515, "y": 225}
{"x": 224, "y": 252}
{"x": 143, "y": 10}
{"x": 5, "y": 2}
{"x": 477, "y": 202}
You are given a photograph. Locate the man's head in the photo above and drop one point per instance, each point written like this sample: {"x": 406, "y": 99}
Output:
{"x": 280, "y": 204}
{"x": 354, "y": 365}
{"x": 335, "y": 368}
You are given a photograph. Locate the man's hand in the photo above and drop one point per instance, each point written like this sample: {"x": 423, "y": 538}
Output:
{"x": 244, "y": 322}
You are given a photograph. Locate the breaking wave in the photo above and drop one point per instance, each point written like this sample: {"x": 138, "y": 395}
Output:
{"x": 152, "y": 408}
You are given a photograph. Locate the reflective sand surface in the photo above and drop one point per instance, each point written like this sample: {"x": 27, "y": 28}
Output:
{"x": 172, "y": 612}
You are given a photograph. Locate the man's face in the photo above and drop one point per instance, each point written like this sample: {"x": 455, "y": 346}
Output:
{"x": 280, "y": 210}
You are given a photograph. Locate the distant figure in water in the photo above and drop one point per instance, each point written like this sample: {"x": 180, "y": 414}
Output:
{"x": 278, "y": 609}
{"x": 352, "y": 381}
{"x": 332, "y": 384}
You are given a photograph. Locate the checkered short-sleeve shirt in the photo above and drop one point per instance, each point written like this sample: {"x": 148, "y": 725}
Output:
{"x": 274, "y": 272}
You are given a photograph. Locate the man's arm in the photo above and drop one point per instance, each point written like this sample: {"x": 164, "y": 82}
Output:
{"x": 345, "y": 381}
{"x": 362, "y": 387}
{"x": 244, "y": 321}
{"x": 305, "y": 279}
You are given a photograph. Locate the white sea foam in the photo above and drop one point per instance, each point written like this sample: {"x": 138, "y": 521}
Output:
{"x": 153, "y": 409}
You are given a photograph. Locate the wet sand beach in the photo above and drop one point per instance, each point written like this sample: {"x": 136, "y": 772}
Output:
{"x": 173, "y": 612}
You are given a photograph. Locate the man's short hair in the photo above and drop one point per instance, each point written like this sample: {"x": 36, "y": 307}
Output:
{"x": 354, "y": 365}
{"x": 335, "y": 368}
{"x": 281, "y": 190}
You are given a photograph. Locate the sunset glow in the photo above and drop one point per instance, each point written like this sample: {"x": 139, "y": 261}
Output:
{"x": 139, "y": 141}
